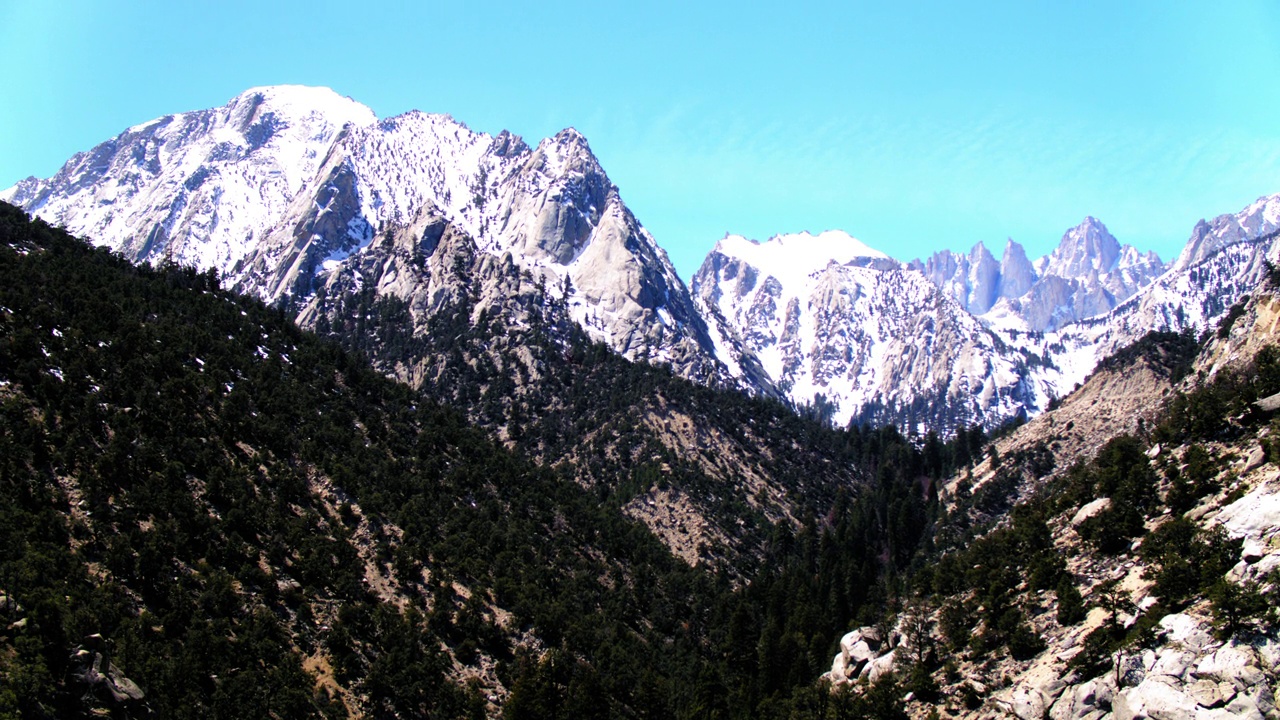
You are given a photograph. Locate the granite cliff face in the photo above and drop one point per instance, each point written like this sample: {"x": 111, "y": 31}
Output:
{"x": 973, "y": 280}
{"x": 286, "y": 185}
{"x": 841, "y": 327}
{"x": 1089, "y": 273}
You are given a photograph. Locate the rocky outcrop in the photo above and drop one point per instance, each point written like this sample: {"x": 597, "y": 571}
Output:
{"x": 865, "y": 654}
{"x": 1189, "y": 675}
{"x": 1189, "y": 660}
{"x": 100, "y": 679}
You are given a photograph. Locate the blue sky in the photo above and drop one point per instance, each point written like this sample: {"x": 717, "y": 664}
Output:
{"x": 913, "y": 126}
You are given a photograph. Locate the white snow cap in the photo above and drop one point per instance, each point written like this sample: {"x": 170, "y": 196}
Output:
{"x": 799, "y": 254}
{"x": 298, "y": 101}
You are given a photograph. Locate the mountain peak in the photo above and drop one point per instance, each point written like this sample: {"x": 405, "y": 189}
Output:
{"x": 570, "y": 135}
{"x": 1259, "y": 218}
{"x": 295, "y": 101}
{"x": 1084, "y": 249}
{"x": 1017, "y": 274}
{"x": 797, "y": 255}
{"x": 979, "y": 253}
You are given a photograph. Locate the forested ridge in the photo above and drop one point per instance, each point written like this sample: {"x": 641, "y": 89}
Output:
{"x": 207, "y": 512}
{"x": 240, "y": 518}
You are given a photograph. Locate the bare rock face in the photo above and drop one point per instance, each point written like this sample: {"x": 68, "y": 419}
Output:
{"x": 845, "y": 330}
{"x": 99, "y": 678}
{"x": 1209, "y": 238}
{"x": 972, "y": 280}
{"x": 1017, "y": 275}
{"x": 1087, "y": 275}
{"x": 1086, "y": 250}
{"x": 285, "y": 185}
{"x": 864, "y": 655}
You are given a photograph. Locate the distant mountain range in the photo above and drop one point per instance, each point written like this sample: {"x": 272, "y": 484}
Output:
{"x": 295, "y": 193}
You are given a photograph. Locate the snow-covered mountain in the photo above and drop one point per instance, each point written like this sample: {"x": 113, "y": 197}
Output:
{"x": 1222, "y": 261}
{"x": 836, "y": 323}
{"x": 284, "y": 185}
{"x": 1088, "y": 274}
{"x": 959, "y": 338}
{"x": 298, "y": 195}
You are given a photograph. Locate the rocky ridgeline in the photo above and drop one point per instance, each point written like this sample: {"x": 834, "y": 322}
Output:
{"x": 285, "y": 186}
{"x": 1189, "y": 671}
{"x": 1193, "y": 661}
{"x": 1089, "y": 273}
{"x": 961, "y": 339}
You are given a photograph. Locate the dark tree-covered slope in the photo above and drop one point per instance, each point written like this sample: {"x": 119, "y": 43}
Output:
{"x": 708, "y": 470}
{"x": 207, "y": 512}
{"x": 226, "y": 502}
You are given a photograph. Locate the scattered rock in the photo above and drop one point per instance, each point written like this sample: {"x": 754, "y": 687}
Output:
{"x": 858, "y": 649}
{"x": 879, "y": 667}
{"x": 1256, "y": 457}
{"x": 1173, "y": 663}
{"x": 1228, "y": 663}
{"x": 1130, "y": 670}
{"x": 1209, "y": 694}
{"x": 1089, "y": 510}
{"x": 1255, "y": 515}
{"x": 1088, "y": 700}
{"x": 1027, "y": 703}
{"x": 108, "y": 685}
{"x": 9, "y": 604}
{"x": 1268, "y": 404}
{"x": 1153, "y": 698}
{"x": 1243, "y": 707}
{"x": 1186, "y": 631}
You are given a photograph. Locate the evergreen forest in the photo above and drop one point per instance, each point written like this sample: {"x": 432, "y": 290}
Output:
{"x": 207, "y": 512}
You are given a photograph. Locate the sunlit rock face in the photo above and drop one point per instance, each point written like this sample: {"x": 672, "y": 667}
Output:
{"x": 284, "y": 186}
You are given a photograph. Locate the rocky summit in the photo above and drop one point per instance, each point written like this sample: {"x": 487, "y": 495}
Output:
{"x": 961, "y": 338}
{"x": 283, "y": 186}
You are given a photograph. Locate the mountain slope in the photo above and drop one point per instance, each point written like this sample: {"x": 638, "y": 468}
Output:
{"x": 853, "y": 329}
{"x": 1136, "y": 580}
{"x": 284, "y": 183}
{"x": 709, "y": 471}
{"x": 1222, "y": 262}
{"x": 206, "y": 510}
{"x": 209, "y": 511}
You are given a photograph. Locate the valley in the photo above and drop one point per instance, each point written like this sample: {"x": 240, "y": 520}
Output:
{"x": 314, "y": 414}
